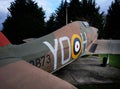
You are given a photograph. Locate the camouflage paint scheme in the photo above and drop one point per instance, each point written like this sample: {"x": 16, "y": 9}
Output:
{"x": 22, "y": 75}
{"x": 55, "y": 50}
{"x": 50, "y": 53}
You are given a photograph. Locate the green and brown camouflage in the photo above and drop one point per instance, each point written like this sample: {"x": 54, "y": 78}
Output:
{"x": 55, "y": 50}
{"x": 50, "y": 53}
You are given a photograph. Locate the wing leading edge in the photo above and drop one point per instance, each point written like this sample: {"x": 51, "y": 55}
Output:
{"x": 22, "y": 75}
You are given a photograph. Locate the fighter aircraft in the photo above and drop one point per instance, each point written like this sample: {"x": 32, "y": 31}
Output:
{"x": 26, "y": 66}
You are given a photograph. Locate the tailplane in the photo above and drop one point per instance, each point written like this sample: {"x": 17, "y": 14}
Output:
{"x": 3, "y": 40}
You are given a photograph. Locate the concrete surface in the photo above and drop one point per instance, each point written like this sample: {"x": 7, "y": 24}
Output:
{"x": 88, "y": 71}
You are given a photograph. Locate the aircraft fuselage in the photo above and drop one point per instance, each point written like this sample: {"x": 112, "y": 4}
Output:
{"x": 57, "y": 49}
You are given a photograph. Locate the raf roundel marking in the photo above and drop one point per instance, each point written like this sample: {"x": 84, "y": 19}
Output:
{"x": 76, "y": 42}
{"x": 76, "y": 46}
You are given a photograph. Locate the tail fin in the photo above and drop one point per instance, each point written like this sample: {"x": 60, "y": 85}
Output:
{"x": 3, "y": 40}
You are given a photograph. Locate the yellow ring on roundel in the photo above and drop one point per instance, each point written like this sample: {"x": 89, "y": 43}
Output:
{"x": 76, "y": 36}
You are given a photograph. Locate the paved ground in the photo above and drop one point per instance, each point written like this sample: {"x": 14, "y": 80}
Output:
{"x": 88, "y": 71}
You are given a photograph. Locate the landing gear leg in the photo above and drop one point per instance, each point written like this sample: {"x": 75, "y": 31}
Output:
{"x": 105, "y": 61}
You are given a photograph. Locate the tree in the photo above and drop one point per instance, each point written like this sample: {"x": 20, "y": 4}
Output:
{"x": 112, "y": 27}
{"x": 74, "y": 10}
{"x": 26, "y": 20}
{"x": 87, "y": 10}
{"x": 51, "y": 23}
{"x": 61, "y": 14}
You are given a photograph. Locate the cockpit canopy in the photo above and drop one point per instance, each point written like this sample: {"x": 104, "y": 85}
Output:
{"x": 86, "y": 24}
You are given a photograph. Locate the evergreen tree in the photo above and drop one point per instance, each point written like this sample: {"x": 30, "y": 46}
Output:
{"x": 26, "y": 20}
{"x": 61, "y": 14}
{"x": 112, "y": 27}
{"x": 51, "y": 23}
{"x": 87, "y": 10}
{"x": 74, "y": 10}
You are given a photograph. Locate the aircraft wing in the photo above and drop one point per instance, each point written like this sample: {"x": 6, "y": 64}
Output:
{"x": 19, "y": 74}
{"x": 105, "y": 47}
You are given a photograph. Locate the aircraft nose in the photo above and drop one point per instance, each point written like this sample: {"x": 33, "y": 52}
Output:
{"x": 96, "y": 31}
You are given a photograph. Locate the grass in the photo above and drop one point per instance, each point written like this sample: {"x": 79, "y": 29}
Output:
{"x": 114, "y": 60}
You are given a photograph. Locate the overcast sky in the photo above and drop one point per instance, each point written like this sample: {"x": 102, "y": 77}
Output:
{"x": 49, "y": 7}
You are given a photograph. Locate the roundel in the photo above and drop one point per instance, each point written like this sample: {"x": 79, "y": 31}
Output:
{"x": 76, "y": 42}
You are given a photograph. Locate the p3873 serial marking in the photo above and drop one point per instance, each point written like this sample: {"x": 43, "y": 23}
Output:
{"x": 39, "y": 62}
{"x": 76, "y": 47}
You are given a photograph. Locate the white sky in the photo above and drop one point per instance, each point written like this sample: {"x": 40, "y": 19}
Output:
{"x": 49, "y": 7}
